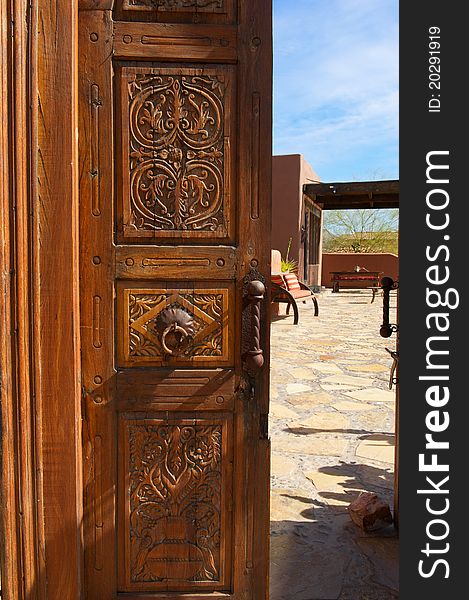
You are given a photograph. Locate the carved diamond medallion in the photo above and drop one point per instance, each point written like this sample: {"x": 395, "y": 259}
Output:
{"x": 175, "y": 326}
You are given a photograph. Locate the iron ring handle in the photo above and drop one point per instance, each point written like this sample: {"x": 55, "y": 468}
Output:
{"x": 173, "y": 328}
{"x": 255, "y": 355}
{"x": 178, "y": 323}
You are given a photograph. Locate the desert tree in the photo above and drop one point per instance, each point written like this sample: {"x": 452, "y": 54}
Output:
{"x": 361, "y": 230}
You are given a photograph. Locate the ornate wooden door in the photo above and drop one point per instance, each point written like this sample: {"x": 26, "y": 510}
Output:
{"x": 175, "y": 160}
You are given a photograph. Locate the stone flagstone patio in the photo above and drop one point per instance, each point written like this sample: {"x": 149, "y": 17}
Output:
{"x": 331, "y": 426}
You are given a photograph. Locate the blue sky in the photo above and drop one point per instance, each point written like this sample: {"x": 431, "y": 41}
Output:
{"x": 336, "y": 86}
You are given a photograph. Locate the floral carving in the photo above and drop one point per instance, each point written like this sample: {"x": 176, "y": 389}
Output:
{"x": 176, "y": 152}
{"x": 174, "y": 501}
{"x": 175, "y": 4}
{"x": 205, "y": 310}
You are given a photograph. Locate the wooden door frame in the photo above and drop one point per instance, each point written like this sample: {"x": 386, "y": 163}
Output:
{"x": 39, "y": 308}
{"x": 41, "y": 485}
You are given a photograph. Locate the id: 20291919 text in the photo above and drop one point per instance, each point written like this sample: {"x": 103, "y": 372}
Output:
{"x": 434, "y": 69}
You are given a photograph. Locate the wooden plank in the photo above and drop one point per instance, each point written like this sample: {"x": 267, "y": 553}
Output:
{"x": 178, "y": 596}
{"x": 390, "y": 186}
{"x": 254, "y": 176}
{"x": 20, "y": 570}
{"x": 97, "y": 300}
{"x": 169, "y": 389}
{"x": 56, "y": 306}
{"x": 150, "y": 262}
{"x": 24, "y": 198}
{"x": 352, "y": 195}
{"x": 359, "y": 201}
{"x": 154, "y": 41}
{"x": 397, "y": 427}
{"x": 10, "y": 536}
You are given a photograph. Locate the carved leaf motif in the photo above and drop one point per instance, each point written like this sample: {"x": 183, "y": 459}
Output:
{"x": 140, "y": 346}
{"x": 176, "y": 152}
{"x": 175, "y": 501}
{"x": 139, "y": 305}
{"x": 212, "y": 304}
{"x": 210, "y": 347}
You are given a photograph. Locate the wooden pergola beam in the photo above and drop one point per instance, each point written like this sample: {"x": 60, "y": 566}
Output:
{"x": 359, "y": 194}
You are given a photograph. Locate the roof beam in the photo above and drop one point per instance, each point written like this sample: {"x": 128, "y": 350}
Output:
{"x": 356, "y": 194}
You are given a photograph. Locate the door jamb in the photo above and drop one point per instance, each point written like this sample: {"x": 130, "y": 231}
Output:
{"x": 40, "y": 494}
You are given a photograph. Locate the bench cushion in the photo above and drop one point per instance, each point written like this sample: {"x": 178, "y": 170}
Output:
{"x": 297, "y": 294}
{"x": 278, "y": 279}
{"x": 292, "y": 282}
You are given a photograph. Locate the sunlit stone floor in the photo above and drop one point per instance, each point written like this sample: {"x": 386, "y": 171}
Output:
{"x": 331, "y": 426}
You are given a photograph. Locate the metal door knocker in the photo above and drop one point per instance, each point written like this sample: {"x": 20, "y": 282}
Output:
{"x": 175, "y": 328}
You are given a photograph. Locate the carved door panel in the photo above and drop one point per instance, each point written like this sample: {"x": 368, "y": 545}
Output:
{"x": 175, "y": 160}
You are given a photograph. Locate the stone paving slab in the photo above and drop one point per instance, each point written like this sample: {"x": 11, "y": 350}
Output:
{"x": 331, "y": 426}
{"x": 373, "y": 395}
{"x": 377, "y": 447}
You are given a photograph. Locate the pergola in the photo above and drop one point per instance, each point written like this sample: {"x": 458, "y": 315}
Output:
{"x": 356, "y": 194}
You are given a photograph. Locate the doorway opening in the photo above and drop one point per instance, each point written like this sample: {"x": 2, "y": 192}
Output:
{"x": 332, "y": 432}
{"x": 332, "y": 426}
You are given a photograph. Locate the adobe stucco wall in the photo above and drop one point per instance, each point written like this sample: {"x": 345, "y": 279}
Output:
{"x": 388, "y": 264}
{"x": 289, "y": 173}
{"x": 286, "y": 203}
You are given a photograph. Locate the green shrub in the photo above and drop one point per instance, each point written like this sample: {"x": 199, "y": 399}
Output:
{"x": 289, "y": 265}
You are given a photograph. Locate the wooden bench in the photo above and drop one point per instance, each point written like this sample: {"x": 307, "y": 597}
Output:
{"x": 373, "y": 277}
{"x": 288, "y": 290}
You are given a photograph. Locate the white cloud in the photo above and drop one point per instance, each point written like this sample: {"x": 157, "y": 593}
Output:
{"x": 336, "y": 82}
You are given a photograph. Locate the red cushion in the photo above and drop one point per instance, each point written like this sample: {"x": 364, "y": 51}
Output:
{"x": 357, "y": 277}
{"x": 292, "y": 282}
{"x": 301, "y": 293}
{"x": 278, "y": 279}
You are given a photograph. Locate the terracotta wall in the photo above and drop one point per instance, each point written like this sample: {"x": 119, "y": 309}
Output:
{"x": 286, "y": 203}
{"x": 289, "y": 173}
{"x": 388, "y": 264}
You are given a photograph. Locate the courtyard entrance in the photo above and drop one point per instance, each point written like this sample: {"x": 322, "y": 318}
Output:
{"x": 332, "y": 429}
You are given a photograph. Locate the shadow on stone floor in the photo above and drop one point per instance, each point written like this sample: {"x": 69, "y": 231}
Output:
{"x": 327, "y": 557}
{"x": 306, "y": 564}
{"x": 360, "y": 476}
{"x": 310, "y": 431}
{"x": 318, "y": 553}
{"x": 345, "y": 488}
{"x": 276, "y": 318}
{"x": 386, "y": 438}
